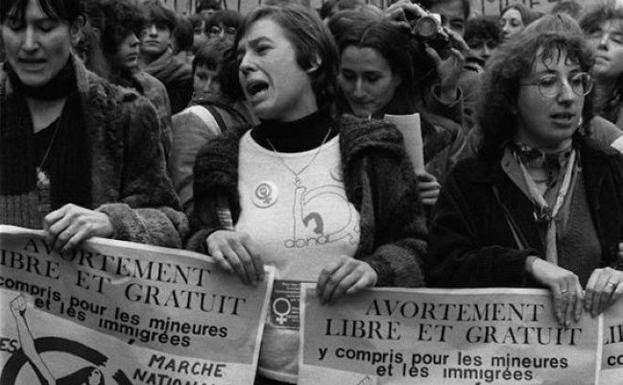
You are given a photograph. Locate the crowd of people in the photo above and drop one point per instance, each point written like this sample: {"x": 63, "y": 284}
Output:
{"x": 261, "y": 139}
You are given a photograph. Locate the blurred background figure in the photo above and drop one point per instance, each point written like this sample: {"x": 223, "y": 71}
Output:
{"x": 199, "y": 35}
{"x": 482, "y": 35}
{"x": 223, "y": 24}
{"x": 570, "y": 7}
{"x": 157, "y": 57}
{"x": 603, "y": 26}
{"x": 514, "y": 18}
{"x": 214, "y": 109}
{"x": 207, "y": 7}
{"x": 113, "y": 50}
{"x": 183, "y": 39}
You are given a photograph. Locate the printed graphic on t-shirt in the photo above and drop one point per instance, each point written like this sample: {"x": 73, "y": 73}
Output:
{"x": 310, "y": 212}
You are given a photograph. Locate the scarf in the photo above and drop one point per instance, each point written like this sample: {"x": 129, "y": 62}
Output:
{"x": 59, "y": 150}
{"x": 544, "y": 212}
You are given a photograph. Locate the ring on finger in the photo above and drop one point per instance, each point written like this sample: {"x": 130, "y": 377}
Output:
{"x": 610, "y": 283}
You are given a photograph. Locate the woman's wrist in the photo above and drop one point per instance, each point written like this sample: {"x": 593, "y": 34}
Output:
{"x": 529, "y": 266}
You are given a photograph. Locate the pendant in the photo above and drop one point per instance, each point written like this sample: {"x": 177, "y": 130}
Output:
{"x": 265, "y": 194}
{"x": 43, "y": 187}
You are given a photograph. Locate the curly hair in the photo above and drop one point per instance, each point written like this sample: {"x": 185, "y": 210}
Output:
{"x": 609, "y": 104}
{"x": 116, "y": 19}
{"x": 550, "y": 37}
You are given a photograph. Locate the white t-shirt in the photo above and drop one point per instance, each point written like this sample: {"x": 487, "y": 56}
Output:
{"x": 300, "y": 229}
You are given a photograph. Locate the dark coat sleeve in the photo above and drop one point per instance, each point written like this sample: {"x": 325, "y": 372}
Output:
{"x": 471, "y": 244}
{"x": 148, "y": 209}
{"x": 392, "y": 221}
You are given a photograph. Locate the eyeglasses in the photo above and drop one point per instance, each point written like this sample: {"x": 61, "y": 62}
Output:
{"x": 550, "y": 85}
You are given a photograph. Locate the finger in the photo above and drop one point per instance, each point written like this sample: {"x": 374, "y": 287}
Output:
{"x": 54, "y": 217}
{"x": 429, "y": 194}
{"x": 434, "y": 56}
{"x": 425, "y": 177}
{"x": 334, "y": 279}
{"x": 589, "y": 297}
{"x": 230, "y": 255}
{"x": 364, "y": 282}
{"x": 616, "y": 294}
{"x": 55, "y": 229}
{"x": 246, "y": 259}
{"x": 215, "y": 253}
{"x": 606, "y": 296}
{"x": 76, "y": 239}
{"x": 459, "y": 58}
{"x": 341, "y": 287}
{"x": 219, "y": 258}
{"x": 324, "y": 276}
{"x": 577, "y": 306}
{"x": 558, "y": 302}
{"x": 570, "y": 299}
{"x": 601, "y": 294}
{"x": 63, "y": 236}
{"x": 253, "y": 250}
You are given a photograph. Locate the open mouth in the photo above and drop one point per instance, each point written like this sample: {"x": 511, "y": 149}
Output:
{"x": 563, "y": 117}
{"x": 256, "y": 87}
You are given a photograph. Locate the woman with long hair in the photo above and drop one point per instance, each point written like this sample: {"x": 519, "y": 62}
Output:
{"x": 383, "y": 71}
{"x": 79, "y": 157}
{"x": 323, "y": 198}
{"x": 514, "y": 18}
{"x": 603, "y": 26}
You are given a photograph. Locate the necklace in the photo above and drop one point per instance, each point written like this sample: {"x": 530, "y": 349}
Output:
{"x": 43, "y": 180}
{"x": 297, "y": 179}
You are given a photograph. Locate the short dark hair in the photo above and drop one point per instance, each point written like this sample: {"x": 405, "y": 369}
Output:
{"x": 311, "y": 40}
{"x": 484, "y": 28}
{"x": 184, "y": 34}
{"x": 467, "y": 7}
{"x": 64, "y": 10}
{"x": 208, "y": 4}
{"x": 227, "y": 17}
{"x": 550, "y": 35}
{"x": 116, "y": 19}
{"x": 211, "y": 53}
{"x": 157, "y": 13}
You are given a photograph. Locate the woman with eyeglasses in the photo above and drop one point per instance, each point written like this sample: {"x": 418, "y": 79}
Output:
{"x": 541, "y": 205}
{"x": 603, "y": 26}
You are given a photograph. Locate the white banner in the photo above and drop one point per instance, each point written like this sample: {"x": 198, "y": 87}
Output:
{"x": 450, "y": 337}
{"x": 124, "y": 312}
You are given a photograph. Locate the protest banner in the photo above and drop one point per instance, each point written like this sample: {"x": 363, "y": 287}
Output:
{"x": 612, "y": 358}
{"x": 129, "y": 313}
{"x": 431, "y": 337}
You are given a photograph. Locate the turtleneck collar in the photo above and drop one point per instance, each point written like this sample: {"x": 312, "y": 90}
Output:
{"x": 58, "y": 87}
{"x": 296, "y": 136}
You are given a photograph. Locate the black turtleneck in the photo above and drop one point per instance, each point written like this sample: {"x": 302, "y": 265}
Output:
{"x": 300, "y": 135}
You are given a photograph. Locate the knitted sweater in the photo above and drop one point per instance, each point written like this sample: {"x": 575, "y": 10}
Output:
{"x": 128, "y": 174}
{"x": 378, "y": 178}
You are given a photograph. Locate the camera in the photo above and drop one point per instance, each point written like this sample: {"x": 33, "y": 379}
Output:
{"x": 429, "y": 30}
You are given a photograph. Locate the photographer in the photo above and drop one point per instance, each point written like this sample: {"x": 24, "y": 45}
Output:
{"x": 451, "y": 16}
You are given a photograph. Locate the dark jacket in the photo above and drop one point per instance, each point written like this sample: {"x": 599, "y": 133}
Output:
{"x": 378, "y": 179}
{"x": 128, "y": 174}
{"x": 471, "y": 243}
